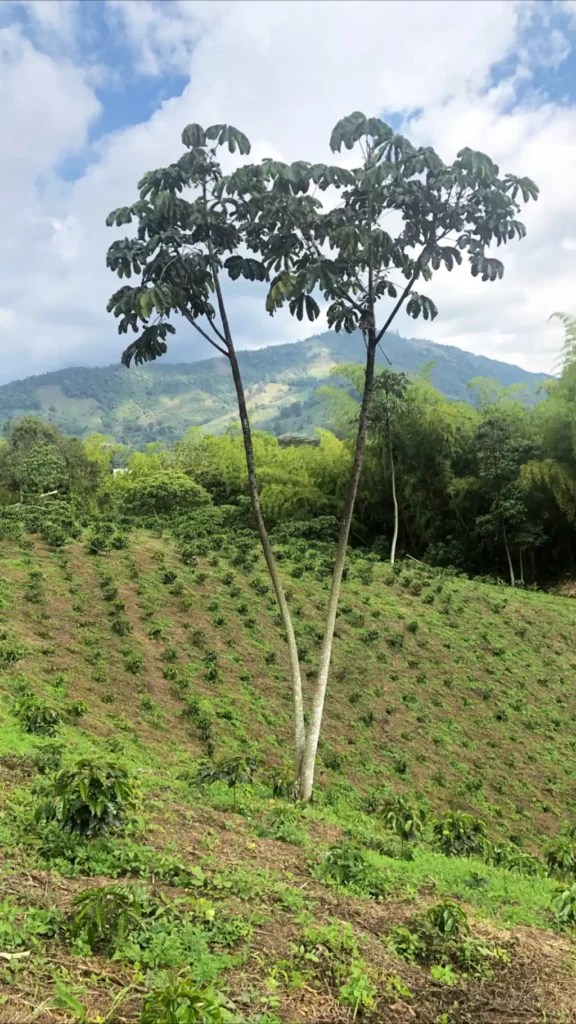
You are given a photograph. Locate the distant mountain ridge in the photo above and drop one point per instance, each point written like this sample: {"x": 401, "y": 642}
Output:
{"x": 161, "y": 400}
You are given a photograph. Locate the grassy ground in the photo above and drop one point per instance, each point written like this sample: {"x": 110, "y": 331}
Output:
{"x": 454, "y": 693}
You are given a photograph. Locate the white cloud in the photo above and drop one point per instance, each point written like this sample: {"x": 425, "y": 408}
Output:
{"x": 283, "y": 72}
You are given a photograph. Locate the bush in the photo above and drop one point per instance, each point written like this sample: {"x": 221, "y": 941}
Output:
{"x": 36, "y": 716}
{"x": 561, "y": 859}
{"x": 178, "y": 1001}
{"x": 165, "y": 493}
{"x": 48, "y": 757}
{"x": 406, "y": 820}
{"x": 76, "y": 709}
{"x": 442, "y": 936}
{"x": 346, "y": 864}
{"x": 97, "y": 541}
{"x": 458, "y": 834}
{"x": 91, "y": 797}
{"x": 234, "y": 771}
{"x": 281, "y": 781}
{"x": 564, "y": 907}
{"x": 104, "y": 916}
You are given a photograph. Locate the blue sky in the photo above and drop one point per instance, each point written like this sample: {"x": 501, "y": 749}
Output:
{"x": 95, "y": 92}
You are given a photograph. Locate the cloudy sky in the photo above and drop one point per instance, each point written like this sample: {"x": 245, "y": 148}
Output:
{"x": 94, "y": 92}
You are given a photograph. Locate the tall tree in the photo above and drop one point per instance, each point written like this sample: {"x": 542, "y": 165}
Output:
{"x": 344, "y": 251}
{"x": 348, "y": 253}
{"x": 189, "y": 234}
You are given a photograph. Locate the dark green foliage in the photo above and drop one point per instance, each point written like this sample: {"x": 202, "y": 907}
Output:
{"x": 564, "y": 907}
{"x": 459, "y": 835}
{"x": 405, "y": 819}
{"x": 36, "y": 715}
{"x": 281, "y": 781}
{"x": 561, "y": 858}
{"x": 11, "y": 650}
{"x": 102, "y": 916}
{"x": 178, "y": 1001}
{"x": 165, "y": 493}
{"x": 234, "y": 771}
{"x": 441, "y": 936}
{"x": 91, "y": 797}
{"x": 347, "y": 865}
{"x": 98, "y": 541}
{"x": 75, "y": 710}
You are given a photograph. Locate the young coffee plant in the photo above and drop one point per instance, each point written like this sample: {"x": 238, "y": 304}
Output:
{"x": 347, "y": 865}
{"x": 36, "y": 716}
{"x": 234, "y": 771}
{"x": 458, "y": 834}
{"x": 102, "y": 916}
{"x": 564, "y": 907}
{"x": 90, "y": 798}
{"x": 406, "y": 820}
{"x": 179, "y": 1001}
{"x": 561, "y": 858}
{"x": 281, "y": 782}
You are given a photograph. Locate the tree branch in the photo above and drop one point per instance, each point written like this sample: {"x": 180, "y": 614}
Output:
{"x": 210, "y": 340}
{"x": 216, "y": 331}
{"x": 406, "y": 291}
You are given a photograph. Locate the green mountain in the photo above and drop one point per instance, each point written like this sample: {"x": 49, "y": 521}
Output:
{"x": 160, "y": 401}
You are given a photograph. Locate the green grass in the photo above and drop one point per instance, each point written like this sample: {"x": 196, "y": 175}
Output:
{"x": 506, "y": 898}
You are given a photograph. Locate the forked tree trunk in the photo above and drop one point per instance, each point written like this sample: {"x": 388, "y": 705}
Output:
{"x": 508, "y": 556}
{"x": 313, "y": 732}
{"x": 299, "y": 729}
{"x": 394, "y": 499}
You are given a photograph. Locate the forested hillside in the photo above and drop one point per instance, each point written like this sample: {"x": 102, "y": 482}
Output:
{"x": 160, "y": 402}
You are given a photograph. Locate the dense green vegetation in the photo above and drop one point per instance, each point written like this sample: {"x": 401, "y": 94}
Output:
{"x": 469, "y": 481}
{"x": 160, "y": 402}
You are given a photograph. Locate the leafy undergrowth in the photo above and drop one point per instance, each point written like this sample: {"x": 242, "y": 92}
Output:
{"x": 199, "y": 885}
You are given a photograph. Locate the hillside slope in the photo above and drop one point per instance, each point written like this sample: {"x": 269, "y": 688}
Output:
{"x": 160, "y": 401}
{"x": 455, "y": 693}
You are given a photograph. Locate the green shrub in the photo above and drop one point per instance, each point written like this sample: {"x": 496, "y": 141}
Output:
{"x": 564, "y": 907}
{"x": 11, "y": 650}
{"x": 178, "y": 1001}
{"x": 97, "y": 541}
{"x": 447, "y": 919}
{"x": 167, "y": 492}
{"x": 561, "y": 858}
{"x": 283, "y": 823}
{"x": 36, "y": 716}
{"x": 346, "y": 864}
{"x": 75, "y": 710}
{"x": 102, "y": 916}
{"x": 90, "y": 798}
{"x": 234, "y": 771}
{"x": 458, "y": 834}
{"x": 121, "y": 625}
{"x": 280, "y": 779}
{"x": 48, "y": 757}
{"x": 406, "y": 820}
{"x": 133, "y": 662}
{"x": 441, "y": 936}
